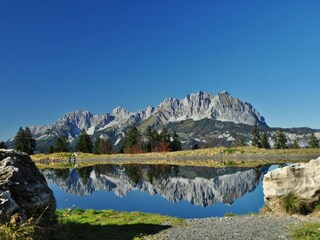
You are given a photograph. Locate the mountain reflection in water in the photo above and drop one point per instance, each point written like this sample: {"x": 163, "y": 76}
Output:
{"x": 203, "y": 186}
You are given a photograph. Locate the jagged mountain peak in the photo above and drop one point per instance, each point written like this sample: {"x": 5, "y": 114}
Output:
{"x": 76, "y": 114}
{"x": 201, "y": 105}
{"x": 195, "y": 106}
{"x": 223, "y": 93}
{"x": 120, "y": 112}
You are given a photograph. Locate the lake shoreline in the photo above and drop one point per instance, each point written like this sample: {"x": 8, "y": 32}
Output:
{"x": 244, "y": 160}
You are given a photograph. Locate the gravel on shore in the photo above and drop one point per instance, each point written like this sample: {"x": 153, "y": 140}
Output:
{"x": 247, "y": 227}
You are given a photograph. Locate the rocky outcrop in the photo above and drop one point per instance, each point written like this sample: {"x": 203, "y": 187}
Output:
{"x": 302, "y": 179}
{"x": 23, "y": 189}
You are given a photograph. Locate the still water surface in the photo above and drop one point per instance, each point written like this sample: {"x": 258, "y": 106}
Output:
{"x": 181, "y": 191}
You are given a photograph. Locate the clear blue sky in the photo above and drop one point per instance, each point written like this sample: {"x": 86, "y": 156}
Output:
{"x": 59, "y": 56}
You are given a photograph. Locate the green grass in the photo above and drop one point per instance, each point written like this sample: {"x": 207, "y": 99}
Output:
{"x": 109, "y": 224}
{"x": 90, "y": 224}
{"x": 308, "y": 231}
{"x": 293, "y": 204}
{"x": 317, "y": 207}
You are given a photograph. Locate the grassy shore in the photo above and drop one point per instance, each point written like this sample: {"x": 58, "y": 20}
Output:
{"x": 110, "y": 224}
{"x": 213, "y": 157}
{"x": 207, "y": 152}
{"x": 92, "y": 224}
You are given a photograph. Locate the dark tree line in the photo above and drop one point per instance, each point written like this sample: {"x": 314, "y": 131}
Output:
{"x": 262, "y": 141}
{"x": 154, "y": 141}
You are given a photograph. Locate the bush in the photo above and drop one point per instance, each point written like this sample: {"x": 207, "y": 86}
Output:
{"x": 293, "y": 204}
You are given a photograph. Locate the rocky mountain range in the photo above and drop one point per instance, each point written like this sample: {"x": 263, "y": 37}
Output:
{"x": 198, "y": 185}
{"x": 200, "y": 118}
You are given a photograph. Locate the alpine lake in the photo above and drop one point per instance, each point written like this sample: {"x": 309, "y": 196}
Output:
{"x": 179, "y": 191}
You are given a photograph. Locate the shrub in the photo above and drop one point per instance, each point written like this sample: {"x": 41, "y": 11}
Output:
{"x": 293, "y": 204}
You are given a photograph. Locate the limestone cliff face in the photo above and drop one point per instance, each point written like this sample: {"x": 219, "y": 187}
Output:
{"x": 303, "y": 179}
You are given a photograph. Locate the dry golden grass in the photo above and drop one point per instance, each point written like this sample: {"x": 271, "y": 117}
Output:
{"x": 208, "y": 152}
{"x": 211, "y": 157}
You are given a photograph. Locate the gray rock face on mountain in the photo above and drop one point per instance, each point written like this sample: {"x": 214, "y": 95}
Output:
{"x": 224, "y": 188}
{"x": 302, "y": 179}
{"x": 196, "y": 106}
{"x": 23, "y": 189}
{"x": 200, "y": 118}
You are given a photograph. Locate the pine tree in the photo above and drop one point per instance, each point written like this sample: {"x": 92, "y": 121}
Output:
{"x": 24, "y": 141}
{"x": 175, "y": 144}
{"x": 256, "y": 136}
{"x": 195, "y": 146}
{"x": 132, "y": 143}
{"x": 3, "y": 145}
{"x": 30, "y": 142}
{"x": 51, "y": 149}
{"x": 103, "y": 146}
{"x": 164, "y": 138}
{"x": 19, "y": 140}
{"x": 313, "y": 141}
{"x": 153, "y": 139}
{"x": 239, "y": 142}
{"x": 164, "y": 135}
{"x": 295, "y": 144}
{"x": 281, "y": 140}
{"x": 265, "y": 141}
{"x": 61, "y": 145}
{"x": 84, "y": 143}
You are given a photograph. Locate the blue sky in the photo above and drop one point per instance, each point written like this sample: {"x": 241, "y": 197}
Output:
{"x": 59, "y": 56}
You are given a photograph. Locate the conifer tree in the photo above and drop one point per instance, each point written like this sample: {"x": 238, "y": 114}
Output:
{"x": 239, "y": 142}
{"x": 295, "y": 144}
{"x": 175, "y": 144}
{"x": 19, "y": 139}
{"x": 313, "y": 141}
{"x": 3, "y": 145}
{"x": 281, "y": 140}
{"x": 29, "y": 141}
{"x": 132, "y": 143}
{"x": 103, "y": 146}
{"x": 164, "y": 135}
{"x": 195, "y": 146}
{"x": 256, "y": 136}
{"x": 265, "y": 141}
{"x": 84, "y": 143}
{"x": 24, "y": 141}
{"x": 61, "y": 144}
{"x": 51, "y": 149}
{"x": 164, "y": 138}
{"x": 153, "y": 139}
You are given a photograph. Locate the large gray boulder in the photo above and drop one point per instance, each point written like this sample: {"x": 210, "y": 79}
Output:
{"x": 302, "y": 179}
{"x": 23, "y": 189}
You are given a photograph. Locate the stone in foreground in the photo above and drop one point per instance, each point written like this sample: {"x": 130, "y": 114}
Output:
{"x": 302, "y": 179}
{"x": 23, "y": 189}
